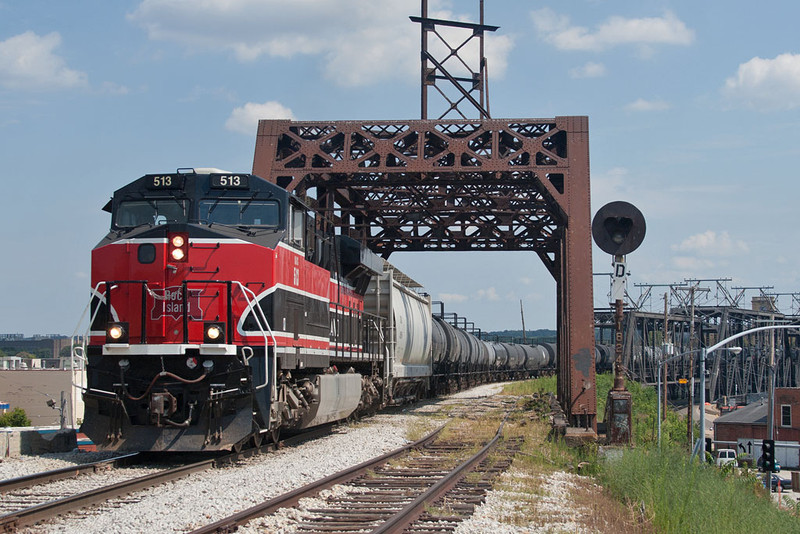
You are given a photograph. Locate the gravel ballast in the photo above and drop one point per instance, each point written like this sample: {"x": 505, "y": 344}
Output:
{"x": 202, "y": 498}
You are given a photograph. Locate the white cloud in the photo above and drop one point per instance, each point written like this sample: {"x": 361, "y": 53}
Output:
{"x": 449, "y": 298}
{"x": 641, "y": 104}
{"x": 489, "y": 293}
{"x": 112, "y": 88}
{"x": 616, "y": 31}
{"x": 589, "y": 70}
{"x": 245, "y": 119}
{"x": 712, "y": 244}
{"x": 359, "y": 41}
{"x": 692, "y": 264}
{"x": 766, "y": 84}
{"x": 28, "y": 61}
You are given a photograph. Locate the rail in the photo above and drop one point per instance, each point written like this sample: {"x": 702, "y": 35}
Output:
{"x": 29, "y": 516}
{"x": 293, "y": 497}
{"x": 405, "y": 517}
{"x": 65, "y": 472}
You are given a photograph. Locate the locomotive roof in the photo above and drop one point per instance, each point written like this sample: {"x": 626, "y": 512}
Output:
{"x": 193, "y": 180}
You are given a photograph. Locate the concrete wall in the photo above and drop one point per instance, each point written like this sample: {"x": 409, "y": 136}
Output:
{"x": 18, "y": 441}
{"x": 31, "y": 389}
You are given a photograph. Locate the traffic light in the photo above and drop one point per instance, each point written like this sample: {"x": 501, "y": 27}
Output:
{"x": 618, "y": 228}
{"x": 768, "y": 455}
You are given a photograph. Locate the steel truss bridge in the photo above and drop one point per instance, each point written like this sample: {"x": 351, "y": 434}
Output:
{"x": 730, "y": 377}
{"x": 445, "y": 185}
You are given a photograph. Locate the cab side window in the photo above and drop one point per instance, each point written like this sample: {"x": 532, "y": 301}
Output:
{"x": 297, "y": 227}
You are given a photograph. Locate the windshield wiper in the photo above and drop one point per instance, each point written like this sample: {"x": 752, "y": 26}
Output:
{"x": 243, "y": 208}
{"x": 214, "y": 205}
{"x": 128, "y": 229}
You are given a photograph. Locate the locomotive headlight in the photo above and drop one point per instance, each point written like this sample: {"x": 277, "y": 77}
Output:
{"x": 178, "y": 241}
{"x": 177, "y": 254}
{"x": 214, "y": 333}
{"x": 117, "y": 333}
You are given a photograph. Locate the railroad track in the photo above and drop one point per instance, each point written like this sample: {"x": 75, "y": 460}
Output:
{"x": 31, "y": 499}
{"x": 28, "y": 481}
{"x": 427, "y": 486}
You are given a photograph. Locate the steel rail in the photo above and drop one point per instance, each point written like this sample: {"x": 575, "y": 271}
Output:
{"x": 28, "y": 516}
{"x": 14, "y": 520}
{"x": 292, "y": 498}
{"x": 44, "y": 477}
{"x": 411, "y": 512}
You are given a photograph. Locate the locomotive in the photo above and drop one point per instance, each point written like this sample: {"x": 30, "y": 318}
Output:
{"x": 224, "y": 311}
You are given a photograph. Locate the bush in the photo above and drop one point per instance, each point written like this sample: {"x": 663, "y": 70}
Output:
{"x": 16, "y": 417}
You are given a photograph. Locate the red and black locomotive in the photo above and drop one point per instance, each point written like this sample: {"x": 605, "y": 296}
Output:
{"x": 222, "y": 312}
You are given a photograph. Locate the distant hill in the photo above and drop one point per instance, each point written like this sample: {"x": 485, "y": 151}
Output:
{"x": 531, "y": 336}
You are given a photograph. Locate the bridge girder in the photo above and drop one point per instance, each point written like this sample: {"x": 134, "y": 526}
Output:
{"x": 496, "y": 184}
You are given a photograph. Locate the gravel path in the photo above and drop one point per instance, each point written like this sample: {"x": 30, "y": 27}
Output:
{"x": 552, "y": 509}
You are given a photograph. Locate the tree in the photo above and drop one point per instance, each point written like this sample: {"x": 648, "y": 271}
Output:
{"x": 16, "y": 417}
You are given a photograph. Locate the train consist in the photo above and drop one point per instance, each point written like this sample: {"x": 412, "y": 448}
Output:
{"x": 224, "y": 311}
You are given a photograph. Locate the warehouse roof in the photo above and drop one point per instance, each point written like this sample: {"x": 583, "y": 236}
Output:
{"x": 752, "y": 414}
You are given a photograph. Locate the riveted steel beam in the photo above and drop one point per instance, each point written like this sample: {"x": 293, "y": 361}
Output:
{"x": 500, "y": 184}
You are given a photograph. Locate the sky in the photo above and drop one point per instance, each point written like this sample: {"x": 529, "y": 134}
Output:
{"x": 694, "y": 117}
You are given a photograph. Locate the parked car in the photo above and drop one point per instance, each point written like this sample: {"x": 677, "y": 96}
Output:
{"x": 786, "y": 483}
{"x": 725, "y": 457}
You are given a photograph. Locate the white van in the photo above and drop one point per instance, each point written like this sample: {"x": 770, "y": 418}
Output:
{"x": 725, "y": 457}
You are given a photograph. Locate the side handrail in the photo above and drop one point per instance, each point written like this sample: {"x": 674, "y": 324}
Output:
{"x": 73, "y": 349}
{"x": 254, "y": 305}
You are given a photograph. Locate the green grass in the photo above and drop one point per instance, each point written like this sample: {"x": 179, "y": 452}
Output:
{"x": 665, "y": 489}
{"x": 677, "y": 495}
{"x": 545, "y": 384}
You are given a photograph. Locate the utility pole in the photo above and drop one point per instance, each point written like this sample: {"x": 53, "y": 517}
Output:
{"x": 522, "y": 314}
{"x": 771, "y": 383}
{"x": 689, "y": 415}
{"x": 664, "y": 356}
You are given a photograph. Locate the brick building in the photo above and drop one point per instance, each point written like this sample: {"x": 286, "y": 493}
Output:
{"x": 750, "y": 422}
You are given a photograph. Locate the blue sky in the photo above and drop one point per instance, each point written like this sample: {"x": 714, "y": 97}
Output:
{"x": 692, "y": 106}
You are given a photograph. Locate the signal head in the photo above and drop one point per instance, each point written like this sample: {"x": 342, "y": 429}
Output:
{"x": 618, "y": 228}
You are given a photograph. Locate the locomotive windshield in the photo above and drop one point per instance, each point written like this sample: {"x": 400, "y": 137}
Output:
{"x": 132, "y": 213}
{"x": 244, "y": 212}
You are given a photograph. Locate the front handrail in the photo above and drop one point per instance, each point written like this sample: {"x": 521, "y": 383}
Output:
{"x": 254, "y": 305}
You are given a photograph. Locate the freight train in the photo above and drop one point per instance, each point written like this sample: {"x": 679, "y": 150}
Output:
{"x": 224, "y": 311}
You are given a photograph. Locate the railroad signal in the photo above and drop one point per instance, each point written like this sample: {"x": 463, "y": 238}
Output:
{"x": 768, "y": 455}
{"x": 618, "y": 228}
